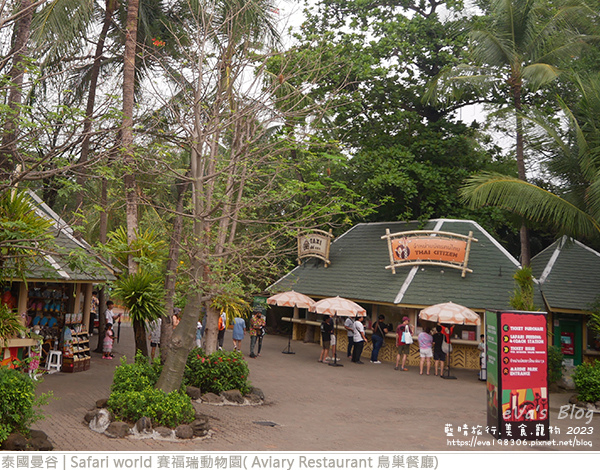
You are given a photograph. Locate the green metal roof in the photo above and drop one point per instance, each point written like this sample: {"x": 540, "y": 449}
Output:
{"x": 59, "y": 266}
{"x": 359, "y": 257}
{"x": 569, "y": 274}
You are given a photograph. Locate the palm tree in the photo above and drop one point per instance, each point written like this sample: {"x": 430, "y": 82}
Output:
{"x": 516, "y": 52}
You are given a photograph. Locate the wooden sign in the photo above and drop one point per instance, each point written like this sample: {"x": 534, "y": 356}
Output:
{"x": 314, "y": 244}
{"x": 429, "y": 247}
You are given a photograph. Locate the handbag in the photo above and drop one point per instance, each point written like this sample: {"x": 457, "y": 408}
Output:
{"x": 446, "y": 347}
{"x": 406, "y": 336}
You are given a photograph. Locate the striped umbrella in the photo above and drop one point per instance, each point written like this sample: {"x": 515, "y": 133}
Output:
{"x": 338, "y": 306}
{"x": 451, "y": 313}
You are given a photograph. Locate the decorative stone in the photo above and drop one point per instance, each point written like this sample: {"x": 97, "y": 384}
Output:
{"x": 233, "y": 396}
{"x": 102, "y": 403}
{"x": 14, "y": 441}
{"x": 253, "y": 399}
{"x": 117, "y": 430}
{"x": 590, "y": 407}
{"x": 573, "y": 399}
{"x": 37, "y": 434}
{"x": 143, "y": 425}
{"x": 201, "y": 416}
{"x": 193, "y": 392}
{"x": 258, "y": 392}
{"x": 163, "y": 431}
{"x": 598, "y": 404}
{"x": 184, "y": 431}
{"x": 212, "y": 398}
{"x": 40, "y": 443}
{"x": 91, "y": 414}
{"x": 101, "y": 421}
{"x": 200, "y": 427}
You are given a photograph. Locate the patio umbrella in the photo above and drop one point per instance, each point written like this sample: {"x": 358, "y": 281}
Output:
{"x": 335, "y": 306}
{"x": 453, "y": 314}
{"x": 291, "y": 299}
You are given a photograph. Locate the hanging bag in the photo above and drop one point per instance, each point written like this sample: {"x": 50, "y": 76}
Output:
{"x": 406, "y": 336}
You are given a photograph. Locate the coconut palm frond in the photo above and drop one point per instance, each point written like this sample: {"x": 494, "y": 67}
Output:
{"x": 530, "y": 202}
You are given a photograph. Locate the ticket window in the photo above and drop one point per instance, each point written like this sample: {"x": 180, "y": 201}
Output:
{"x": 568, "y": 337}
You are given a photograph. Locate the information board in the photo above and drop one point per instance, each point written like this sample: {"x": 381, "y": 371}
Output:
{"x": 517, "y": 366}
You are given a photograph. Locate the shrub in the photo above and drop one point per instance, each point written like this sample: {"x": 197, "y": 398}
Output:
{"x": 164, "y": 409}
{"x": 220, "y": 371}
{"x": 137, "y": 376}
{"x": 587, "y": 381}
{"x": 555, "y": 367}
{"x": 18, "y": 403}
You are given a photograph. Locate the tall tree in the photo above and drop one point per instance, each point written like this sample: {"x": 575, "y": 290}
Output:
{"x": 516, "y": 50}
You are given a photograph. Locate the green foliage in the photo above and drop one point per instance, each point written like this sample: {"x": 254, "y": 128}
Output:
{"x": 587, "y": 381}
{"x": 555, "y": 367}
{"x": 147, "y": 249}
{"x": 10, "y": 325}
{"x": 18, "y": 403}
{"x": 522, "y": 298}
{"x": 232, "y": 305}
{"x": 220, "y": 371}
{"x": 133, "y": 395}
{"x": 142, "y": 293}
{"x": 24, "y": 236}
{"x": 137, "y": 376}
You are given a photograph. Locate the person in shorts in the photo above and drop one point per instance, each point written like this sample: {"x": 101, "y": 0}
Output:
{"x": 425, "y": 350}
{"x": 439, "y": 357}
{"x": 154, "y": 336}
{"x": 326, "y": 330}
{"x": 403, "y": 348}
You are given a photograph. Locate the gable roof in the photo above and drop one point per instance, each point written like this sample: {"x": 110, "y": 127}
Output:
{"x": 58, "y": 265}
{"x": 569, "y": 274}
{"x": 359, "y": 257}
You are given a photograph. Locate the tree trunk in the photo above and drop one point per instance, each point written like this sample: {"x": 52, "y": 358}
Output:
{"x": 91, "y": 101}
{"x": 166, "y": 329}
{"x": 139, "y": 332}
{"x": 131, "y": 199}
{"x": 520, "y": 154}
{"x": 181, "y": 343}
{"x": 212, "y": 330}
{"x": 8, "y": 150}
{"x": 102, "y": 239}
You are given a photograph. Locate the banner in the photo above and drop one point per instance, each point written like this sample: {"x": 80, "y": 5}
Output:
{"x": 314, "y": 244}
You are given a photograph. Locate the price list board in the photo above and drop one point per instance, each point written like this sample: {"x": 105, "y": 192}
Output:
{"x": 517, "y": 374}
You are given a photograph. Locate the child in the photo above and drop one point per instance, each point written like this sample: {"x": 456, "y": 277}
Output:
{"x": 108, "y": 342}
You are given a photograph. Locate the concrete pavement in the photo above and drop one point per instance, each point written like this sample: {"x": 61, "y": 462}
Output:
{"x": 314, "y": 406}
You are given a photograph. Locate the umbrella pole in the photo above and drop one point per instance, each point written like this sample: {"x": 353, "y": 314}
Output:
{"x": 288, "y": 350}
{"x": 446, "y": 374}
{"x": 335, "y": 362}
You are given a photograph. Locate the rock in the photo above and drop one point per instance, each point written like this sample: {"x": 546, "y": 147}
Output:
{"x": 101, "y": 421}
{"x": 597, "y": 405}
{"x": 143, "y": 425}
{"x": 554, "y": 388}
{"x": 193, "y": 392}
{"x": 91, "y": 414}
{"x": 163, "y": 431}
{"x": 117, "y": 430}
{"x": 184, "y": 431}
{"x": 258, "y": 392}
{"x": 102, "y": 403}
{"x": 233, "y": 396}
{"x": 212, "y": 398}
{"x": 590, "y": 407}
{"x": 200, "y": 427}
{"x": 14, "y": 441}
{"x": 35, "y": 434}
{"x": 253, "y": 399}
{"x": 573, "y": 399}
{"x": 40, "y": 443}
{"x": 201, "y": 416}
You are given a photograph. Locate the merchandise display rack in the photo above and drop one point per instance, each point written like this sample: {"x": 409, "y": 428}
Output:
{"x": 76, "y": 345}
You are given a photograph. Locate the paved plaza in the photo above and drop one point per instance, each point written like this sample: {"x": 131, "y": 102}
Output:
{"x": 314, "y": 407}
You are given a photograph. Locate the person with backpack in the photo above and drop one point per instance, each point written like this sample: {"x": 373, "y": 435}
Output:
{"x": 380, "y": 329}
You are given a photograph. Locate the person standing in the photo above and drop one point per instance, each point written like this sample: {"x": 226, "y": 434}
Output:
{"x": 199, "y": 331}
{"x": 326, "y": 330}
{"x": 239, "y": 329}
{"x": 222, "y": 328}
{"x": 439, "y": 357}
{"x": 110, "y": 315}
{"x": 257, "y": 326}
{"x": 425, "y": 350}
{"x": 349, "y": 325}
{"x": 107, "y": 345}
{"x": 380, "y": 329}
{"x": 359, "y": 340}
{"x": 404, "y": 339}
{"x": 154, "y": 336}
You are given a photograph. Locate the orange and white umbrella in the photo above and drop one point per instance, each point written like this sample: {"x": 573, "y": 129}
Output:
{"x": 338, "y": 306}
{"x": 291, "y": 299}
{"x": 451, "y": 313}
